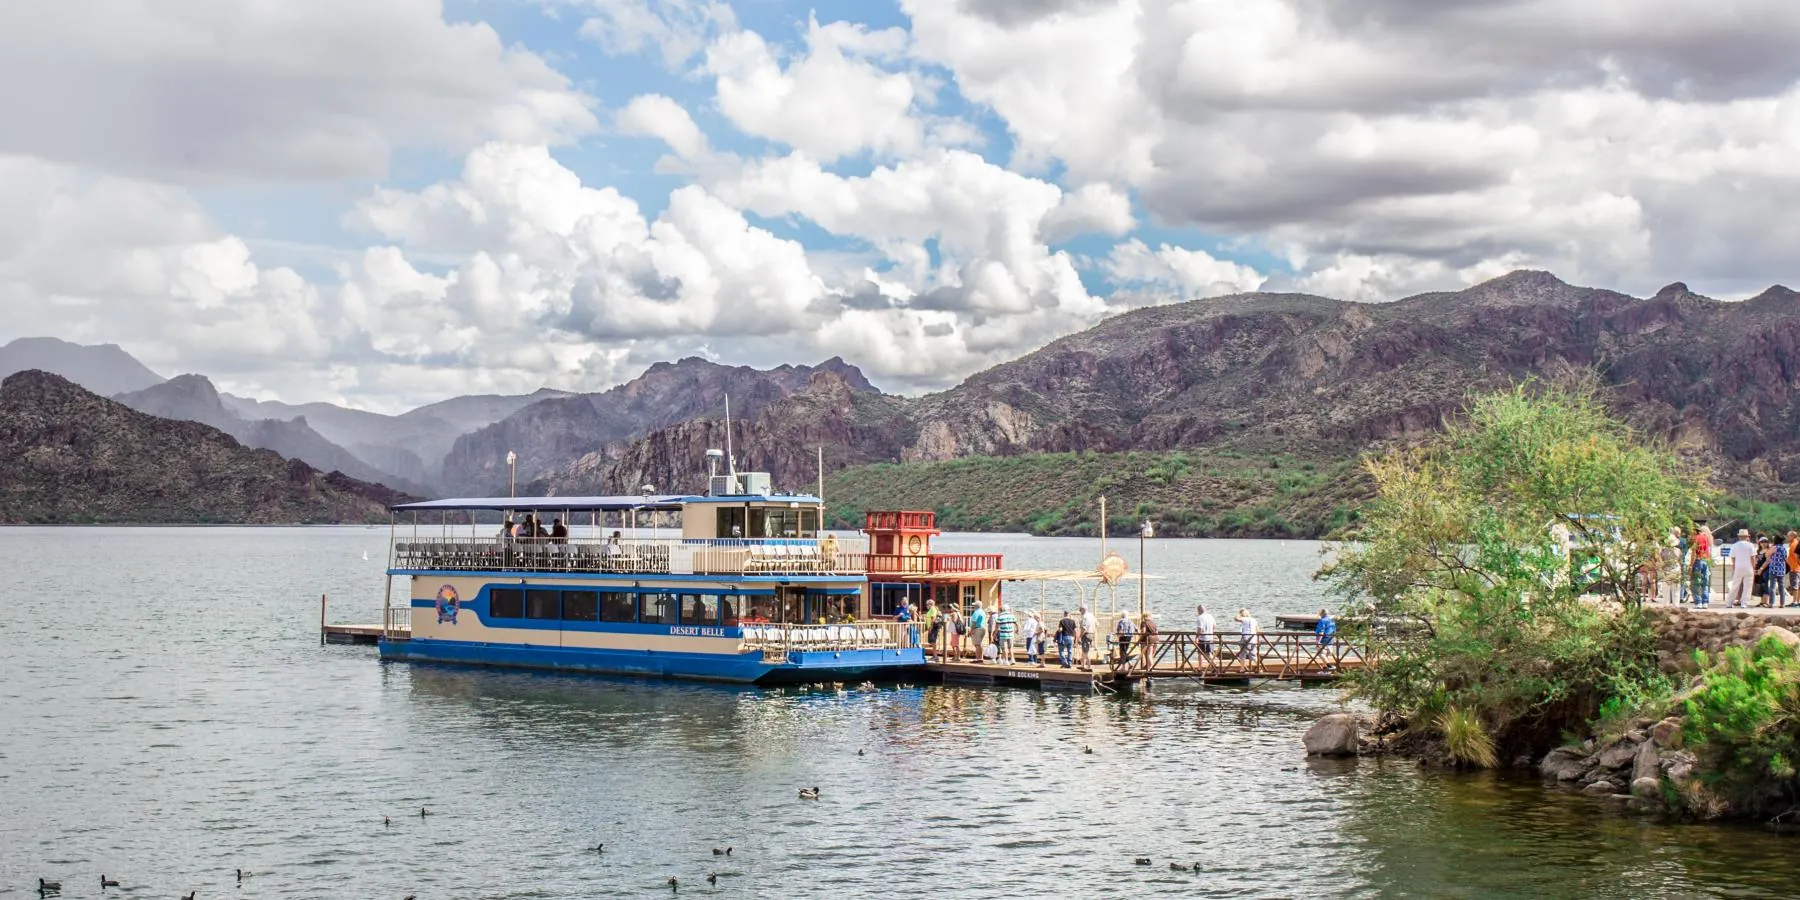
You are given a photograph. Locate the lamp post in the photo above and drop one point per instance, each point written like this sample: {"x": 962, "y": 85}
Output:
{"x": 512, "y": 474}
{"x": 1147, "y": 533}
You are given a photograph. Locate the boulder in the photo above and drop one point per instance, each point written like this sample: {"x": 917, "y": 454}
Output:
{"x": 1667, "y": 733}
{"x": 1333, "y": 735}
{"x": 1564, "y": 764}
{"x": 1678, "y": 767}
{"x": 1601, "y": 787}
{"x": 1648, "y": 788}
{"x": 1646, "y": 764}
{"x": 1618, "y": 755}
{"x": 1779, "y": 633}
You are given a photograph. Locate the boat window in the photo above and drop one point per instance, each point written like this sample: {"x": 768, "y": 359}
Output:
{"x": 731, "y": 522}
{"x": 506, "y": 603}
{"x": 657, "y": 609}
{"x": 699, "y": 609}
{"x": 543, "y": 604}
{"x": 729, "y": 609}
{"x": 616, "y": 607}
{"x": 580, "y": 606}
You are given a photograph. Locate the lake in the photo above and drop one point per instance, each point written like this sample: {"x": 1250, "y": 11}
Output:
{"x": 167, "y": 716}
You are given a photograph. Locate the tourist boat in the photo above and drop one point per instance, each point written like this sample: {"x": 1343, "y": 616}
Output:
{"x": 739, "y": 585}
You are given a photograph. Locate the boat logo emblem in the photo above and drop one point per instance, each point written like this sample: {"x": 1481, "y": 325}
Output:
{"x": 447, "y": 603}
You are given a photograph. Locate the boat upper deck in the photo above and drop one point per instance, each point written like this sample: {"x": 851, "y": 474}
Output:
{"x": 727, "y": 535}
{"x": 639, "y": 556}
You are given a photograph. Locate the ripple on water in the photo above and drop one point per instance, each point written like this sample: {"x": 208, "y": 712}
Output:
{"x": 219, "y": 735}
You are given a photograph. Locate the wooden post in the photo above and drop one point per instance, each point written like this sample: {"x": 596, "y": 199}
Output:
{"x": 321, "y": 620}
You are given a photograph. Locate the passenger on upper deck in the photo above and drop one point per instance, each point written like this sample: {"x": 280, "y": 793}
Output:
{"x": 506, "y": 530}
{"x": 559, "y": 533}
{"x": 613, "y": 547}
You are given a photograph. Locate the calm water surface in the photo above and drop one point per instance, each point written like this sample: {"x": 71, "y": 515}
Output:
{"x": 167, "y": 716}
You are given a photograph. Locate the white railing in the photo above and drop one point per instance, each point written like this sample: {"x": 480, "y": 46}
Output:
{"x": 671, "y": 556}
{"x": 868, "y": 635}
{"x": 399, "y": 618}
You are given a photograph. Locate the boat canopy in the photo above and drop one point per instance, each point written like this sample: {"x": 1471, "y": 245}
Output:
{"x": 624, "y": 502}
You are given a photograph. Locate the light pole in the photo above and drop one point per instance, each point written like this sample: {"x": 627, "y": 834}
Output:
{"x": 646, "y": 490}
{"x": 512, "y": 474}
{"x": 1145, "y": 534}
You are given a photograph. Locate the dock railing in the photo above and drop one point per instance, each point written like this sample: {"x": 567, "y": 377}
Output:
{"x": 1266, "y": 654}
{"x": 669, "y": 556}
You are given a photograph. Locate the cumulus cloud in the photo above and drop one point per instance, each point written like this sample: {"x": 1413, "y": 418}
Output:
{"x": 1191, "y": 273}
{"x": 1422, "y": 144}
{"x": 208, "y": 89}
{"x": 845, "y": 188}
{"x": 676, "y": 29}
{"x": 831, "y": 101}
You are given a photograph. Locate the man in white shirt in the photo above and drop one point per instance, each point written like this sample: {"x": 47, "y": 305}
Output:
{"x": 1246, "y": 633}
{"x": 1743, "y": 570}
{"x": 1204, "y": 628}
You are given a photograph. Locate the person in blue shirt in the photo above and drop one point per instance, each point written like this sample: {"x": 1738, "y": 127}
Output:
{"x": 905, "y": 614}
{"x": 1326, "y": 629}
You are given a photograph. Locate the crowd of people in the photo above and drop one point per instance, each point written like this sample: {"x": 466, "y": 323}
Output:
{"x": 985, "y": 634}
{"x": 1756, "y": 570}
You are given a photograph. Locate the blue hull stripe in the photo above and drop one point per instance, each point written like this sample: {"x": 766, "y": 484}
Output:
{"x": 745, "y": 668}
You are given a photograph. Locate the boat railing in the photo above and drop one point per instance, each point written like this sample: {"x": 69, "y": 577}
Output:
{"x": 671, "y": 556}
{"x": 399, "y": 618}
{"x": 776, "y": 638}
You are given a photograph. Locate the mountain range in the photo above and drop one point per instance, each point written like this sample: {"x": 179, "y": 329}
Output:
{"x": 1293, "y": 379}
{"x": 73, "y": 456}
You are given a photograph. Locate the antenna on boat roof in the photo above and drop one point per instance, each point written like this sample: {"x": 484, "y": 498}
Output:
{"x": 730, "y": 460}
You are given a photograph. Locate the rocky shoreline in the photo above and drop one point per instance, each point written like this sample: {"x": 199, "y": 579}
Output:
{"x": 1647, "y": 766}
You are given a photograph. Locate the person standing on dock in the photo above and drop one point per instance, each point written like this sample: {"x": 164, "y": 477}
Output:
{"x": 934, "y": 626}
{"x": 1742, "y": 556}
{"x": 978, "y": 622}
{"x": 1033, "y": 632}
{"x": 1246, "y": 632}
{"x": 1006, "y": 627}
{"x": 1123, "y": 631}
{"x": 1204, "y": 629}
{"x": 1326, "y": 629}
{"x": 1088, "y": 627}
{"x": 1065, "y": 639}
{"x": 905, "y": 614}
{"x": 1147, "y": 642}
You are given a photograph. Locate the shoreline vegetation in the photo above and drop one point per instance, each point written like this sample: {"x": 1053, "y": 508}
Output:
{"x": 1501, "y": 562}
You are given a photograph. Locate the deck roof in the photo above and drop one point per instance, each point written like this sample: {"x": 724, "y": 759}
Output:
{"x": 621, "y": 502}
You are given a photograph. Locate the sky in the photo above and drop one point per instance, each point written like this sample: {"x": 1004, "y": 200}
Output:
{"x": 387, "y": 202}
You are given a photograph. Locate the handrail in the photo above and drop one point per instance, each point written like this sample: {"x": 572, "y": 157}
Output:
{"x": 674, "y": 556}
{"x": 1231, "y": 655}
{"x": 776, "y": 638}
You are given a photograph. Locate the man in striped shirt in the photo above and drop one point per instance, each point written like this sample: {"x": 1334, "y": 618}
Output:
{"x": 1005, "y": 626}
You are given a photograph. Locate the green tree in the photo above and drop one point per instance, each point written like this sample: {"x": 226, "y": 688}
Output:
{"x": 1460, "y": 561}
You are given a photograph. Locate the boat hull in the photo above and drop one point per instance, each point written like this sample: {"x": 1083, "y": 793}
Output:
{"x": 738, "y": 668}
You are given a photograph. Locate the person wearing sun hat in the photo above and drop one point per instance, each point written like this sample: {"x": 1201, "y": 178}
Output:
{"x": 1742, "y": 556}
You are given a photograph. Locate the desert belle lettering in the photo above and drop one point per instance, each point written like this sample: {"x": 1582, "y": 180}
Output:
{"x": 696, "y": 631}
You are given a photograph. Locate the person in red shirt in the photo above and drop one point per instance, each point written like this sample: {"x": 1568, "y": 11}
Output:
{"x": 1702, "y": 567}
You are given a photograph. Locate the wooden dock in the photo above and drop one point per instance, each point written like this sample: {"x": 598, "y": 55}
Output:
{"x": 338, "y": 633}
{"x": 1268, "y": 656}
{"x": 1225, "y": 660}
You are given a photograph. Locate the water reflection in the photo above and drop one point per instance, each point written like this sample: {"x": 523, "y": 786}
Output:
{"x": 169, "y": 718}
